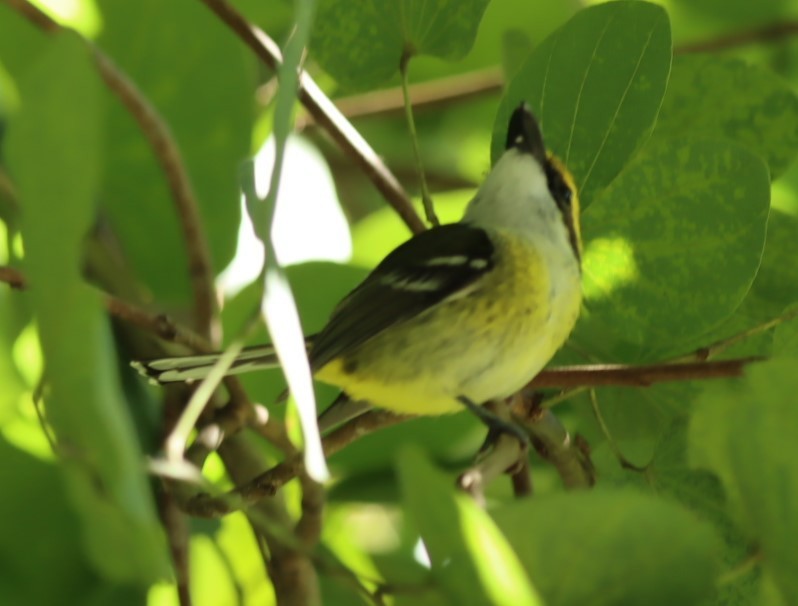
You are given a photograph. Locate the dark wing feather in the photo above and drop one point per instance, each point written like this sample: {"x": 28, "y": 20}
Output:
{"x": 415, "y": 276}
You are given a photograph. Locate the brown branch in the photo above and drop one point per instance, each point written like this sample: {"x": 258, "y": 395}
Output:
{"x": 308, "y": 529}
{"x": 505, "y": 454}
{"x": 167, "y": 153}
{"x": 12, "y": 277}
{"x": 521, "y": 479}
{"x": 289, "y": 565}
{"x": 324, "y": 113}
{"x": 423, "y": 95}
{"x": 35, "y": 15}
{"x": 268, "y": 483}
{"x": 623, "y": 375}
{"x": 772, "y": 32}
{"x": 174, "y": 523}
{"x": 553, "y": 442}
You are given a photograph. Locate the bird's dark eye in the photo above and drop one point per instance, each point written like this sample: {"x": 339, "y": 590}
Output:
{"x": 567, "y": 195}
{"x": 559, "y": 189}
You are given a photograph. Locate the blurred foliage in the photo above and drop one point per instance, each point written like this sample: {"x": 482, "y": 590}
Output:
{"x": 686, "y": 163}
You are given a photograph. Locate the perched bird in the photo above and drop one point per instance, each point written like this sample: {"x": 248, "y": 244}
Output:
{"x": 460, "y": 314}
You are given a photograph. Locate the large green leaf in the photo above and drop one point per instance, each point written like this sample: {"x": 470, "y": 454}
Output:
{"x": 201, "y": 83}
{"x": 717, "y": 97}
{"x": 596, "y": 85}
{"x": 672, "y": 246}
{"x": 361, "y": 43}
{"x": 470, "y": 557}
{"x": 611, "y": 548}
{"x": 57, "y": 187}
{"x": 744, "y": 431}
{"x": 35, "y": 504}
{"x": 668, "y": 474}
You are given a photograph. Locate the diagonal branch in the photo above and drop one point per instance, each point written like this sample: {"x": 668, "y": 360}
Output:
{"x": 324, "y": 113}
{"x": 167, "y": 153}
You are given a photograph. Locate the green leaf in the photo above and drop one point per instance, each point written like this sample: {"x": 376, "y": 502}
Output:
{"x": 717, "y": 97}
{"x": 611, "y": 547}
{"x": 470, "y": 557}
{"x": 35, "y": 504}
{"x": 668, "y": 474}
{"x": 744, "y": 432}
{"x": 673, "y": 245}
{"x": 58, "y": 187}
{"x": 596, "y": 85}
{"x": 361, "y": 43}
{"x": 638, "y": 418}
{"x": 201, "y": 84}
{"x": 777, "y": 280}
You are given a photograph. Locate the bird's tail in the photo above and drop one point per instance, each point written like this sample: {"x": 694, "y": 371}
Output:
{"x": 195, "y": 368}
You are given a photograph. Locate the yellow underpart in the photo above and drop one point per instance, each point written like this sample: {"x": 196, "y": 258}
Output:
{"x": 483, "y": 344}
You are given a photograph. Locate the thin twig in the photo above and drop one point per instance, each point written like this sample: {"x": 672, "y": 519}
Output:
{"x": 35, "y": 15}
{"x": 158, "y": 324}
{"x": 325, "y": 113}
{"x": 613, "y": 445}
{"x": 713, "y": 349}
{"x": 624, "y": 375}
{"x": 268, "y": 483}
{"x": 772, "y": 32}
{"x": 423, "y": 95}
{"x": 167, "y": 153}
{"x": 308, "y": 529}
{"x": 429, "y": 208}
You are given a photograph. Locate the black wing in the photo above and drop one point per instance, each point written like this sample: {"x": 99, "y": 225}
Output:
{"x": 415, "y": 276}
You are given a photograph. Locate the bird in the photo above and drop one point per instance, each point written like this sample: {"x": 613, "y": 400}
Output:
{"x": 459, "y": 314}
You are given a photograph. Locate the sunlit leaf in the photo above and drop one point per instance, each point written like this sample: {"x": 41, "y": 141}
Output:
{"x": 596, "y": 85}
{"x": 470, "y": 557}
{"x": 673, "y": 245}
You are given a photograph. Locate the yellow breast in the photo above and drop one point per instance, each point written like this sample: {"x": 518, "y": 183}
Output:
{"x": 484, "y": 344}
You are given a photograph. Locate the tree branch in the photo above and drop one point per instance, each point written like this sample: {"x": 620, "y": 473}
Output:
{"x": 324, "y": 113}
{"x": 268, "y": 483}
{"x": 423, "y": 95}
{"x": 772, "y": 32}
{"x": 12, "y": 277}
{"x": 174, "y": 523}
{"x": 553, "y": 442}
{"x": 624, "y": 375}
{"x": 167, "y": 153}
